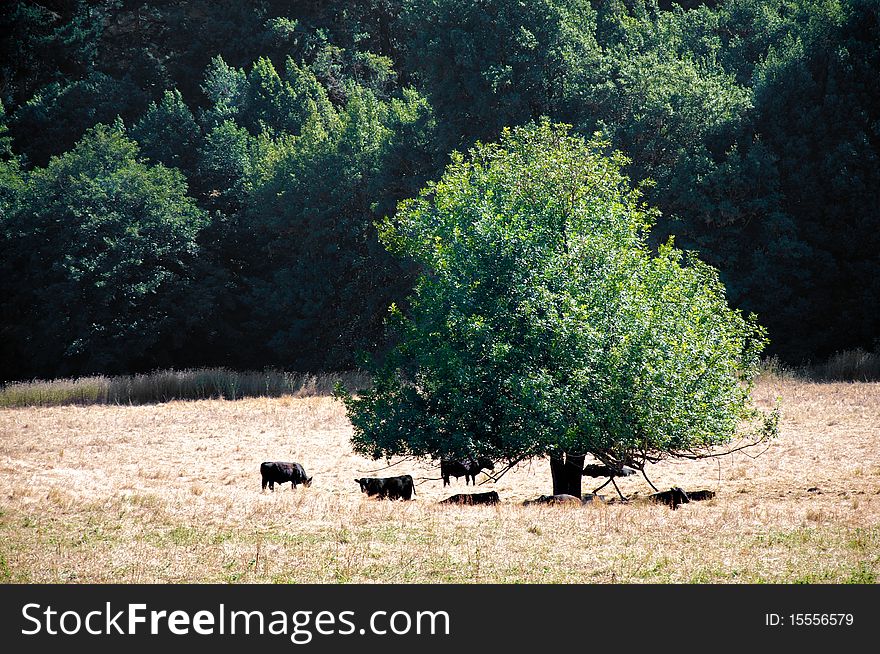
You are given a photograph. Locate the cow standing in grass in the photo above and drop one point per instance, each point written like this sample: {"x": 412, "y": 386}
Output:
{"x": 391, "y": 488}
{"x": 469, "y": 468}
{"x": 279, "y": 472}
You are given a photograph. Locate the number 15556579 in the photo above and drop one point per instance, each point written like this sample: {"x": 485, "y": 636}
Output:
{"x": 809, "y": 619}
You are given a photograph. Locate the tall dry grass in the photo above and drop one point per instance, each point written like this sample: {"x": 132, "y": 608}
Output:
{"x": 169, "y": 385}
{"x": 856, "y": 365}
{"x": 851, "y": 365}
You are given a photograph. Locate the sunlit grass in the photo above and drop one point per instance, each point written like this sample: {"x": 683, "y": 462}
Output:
{"x": 171, "y": 492}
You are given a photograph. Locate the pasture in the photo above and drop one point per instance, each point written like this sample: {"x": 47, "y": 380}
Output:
{"x": 171, "y": 493}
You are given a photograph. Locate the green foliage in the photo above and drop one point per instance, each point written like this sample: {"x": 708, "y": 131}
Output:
{"x": 755, "y": 121}
{"x": 818, "y": 110}
{"x": 55, "y": 118}
{"x": 40, "y": 45}
{"x": 268, "y": 103}
{"x": 496, "y": 63}
{"x": 224, "y": 87}
{"x": 319, "y": 282}
{"x": 262, "y": 101}
{"x": 225, "y": 165}
{"x": 11, "y": 182}
{"x": 11, "y": 188}
{"x": 110, "y": 247}
{"x": 300, "y": 182}
{"x": 542, "y": 322}
{"x": 5, "y": 139}
{"x": 168, "y": 134}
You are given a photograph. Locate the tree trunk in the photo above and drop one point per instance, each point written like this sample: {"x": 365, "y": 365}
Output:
{"x": 557, "y": 471}
{"x": 566, "y": 470}
{"x": 574, "y": 466}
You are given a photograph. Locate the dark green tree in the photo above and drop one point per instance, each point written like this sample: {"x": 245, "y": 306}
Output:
{"x": 817, "y": 110}
{"x": 226, "y": 162}
{"x": 99, "y": 260}
{"x": 41, "y": 43}
{"x": 168, "y": 134}
{"x": 11, "y": 187}
{"x": 485, "y": 65}
{"x": 542, "y": 324}
{"x": 318, "y": 281}
{"x": 5, "y": 139}
{"x": 55, "y": 118}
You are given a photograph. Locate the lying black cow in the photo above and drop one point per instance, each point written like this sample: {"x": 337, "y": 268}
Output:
{"x": 473, "y": 498}
{"x": 279, "y": 472}
{"x": 469, "y": 468}
{"x": 674, "y": 497}
{"x": 392, "y": 488}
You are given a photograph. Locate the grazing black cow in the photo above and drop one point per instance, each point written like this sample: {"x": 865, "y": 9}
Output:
{"x": 672, "y": 498}
{"x": 598, "y": 470}
{"x": 279, "y": 472}
{"x": 392, "y": 488}
{"x": 473, "y": 498}
{"x": 700, "y": 495}
{"x": 555, "y": 499}
{"x": 469, "y": 468}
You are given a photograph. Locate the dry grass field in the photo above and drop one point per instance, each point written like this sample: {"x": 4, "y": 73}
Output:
{"x": 171, "y": 493}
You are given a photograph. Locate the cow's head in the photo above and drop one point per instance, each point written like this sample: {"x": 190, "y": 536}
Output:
{"x": 363, "y": 484}
{"x": 485, "y": 463}
{"x": 307, "y": 482}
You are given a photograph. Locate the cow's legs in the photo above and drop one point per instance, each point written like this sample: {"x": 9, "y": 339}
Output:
{"x": 264, "y": 483}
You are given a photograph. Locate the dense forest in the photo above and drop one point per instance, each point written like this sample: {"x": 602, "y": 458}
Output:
{"x": 197, "y": 182}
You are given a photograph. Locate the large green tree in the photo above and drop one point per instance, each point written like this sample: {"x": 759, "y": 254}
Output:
{"x": 542, "y": 324}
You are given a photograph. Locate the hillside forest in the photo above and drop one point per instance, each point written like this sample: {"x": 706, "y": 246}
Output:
{"x": 198, "y": 182}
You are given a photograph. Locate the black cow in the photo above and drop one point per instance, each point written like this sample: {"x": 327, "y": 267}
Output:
{"x": 674, "y": 497}
{"x": 598, "y": 470}
{"x": 473, "y": 498}
{"x": 279, "y": 472}
{"x": 392, "y": 488}
{"x": 700, "y": 495}
{"x": 469, "y": 468}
